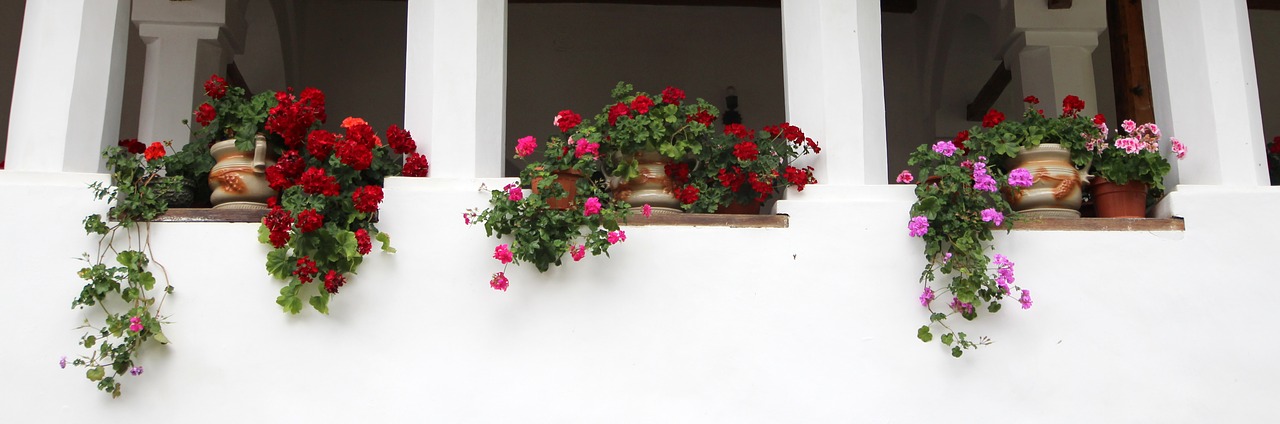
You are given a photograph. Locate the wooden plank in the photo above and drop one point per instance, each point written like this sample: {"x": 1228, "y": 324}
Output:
{"x": 709, "y": 220}
{"x": 1059, "y": 4}
{"x": 989, "y": 94}
{"x": 1130, "y": 73}
{"x": 1100, "y": 224}
{"x": 212, "y": 215}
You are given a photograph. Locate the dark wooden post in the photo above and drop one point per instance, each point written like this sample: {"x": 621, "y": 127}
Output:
{"x": 1129, "y": 61}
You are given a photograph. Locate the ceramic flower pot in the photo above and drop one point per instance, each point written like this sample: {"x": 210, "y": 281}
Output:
{"x": 238, "y": 179}
{"x": 1055, "y": 191}
{"x": 651, "y": 187}
{"x": 1120, "y": 200}
{"x": 568, "y": 180}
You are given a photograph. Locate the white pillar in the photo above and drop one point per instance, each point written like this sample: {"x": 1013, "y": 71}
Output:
{"x": 1050, "y": 51}
{"x": 1205, "y": 89}
{"x": 834, "y": 81}
{"x": 455, "y": 84}
{"x": 186, "y": 43}
{"x": 68, "y": 86}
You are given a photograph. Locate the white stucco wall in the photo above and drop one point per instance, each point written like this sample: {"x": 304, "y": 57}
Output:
{"x": 812, "y": 323}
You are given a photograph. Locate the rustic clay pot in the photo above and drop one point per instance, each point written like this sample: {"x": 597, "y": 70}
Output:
{"x": 568, "y": 180}
{"x": 1120, "y": 200}
{"x": 238, "y": 179}
{"x": 1056, "y": 188}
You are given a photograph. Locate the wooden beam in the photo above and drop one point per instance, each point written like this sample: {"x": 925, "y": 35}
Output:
{"x": 1264, "y": 4}
{"x": 1130, "y": 74}
{"x": 898, "y": 6}
{"x": 989, "y": 94}
{"x": 1059, "y": 4}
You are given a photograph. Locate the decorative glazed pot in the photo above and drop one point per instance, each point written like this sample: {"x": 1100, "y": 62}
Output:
{"x": 1120, "y": 200}
{"x": 568, "y": 180}
{"x": 652, "y": 187}
{"x": 238, "y": 179}
{"x": 1055, "y": 191}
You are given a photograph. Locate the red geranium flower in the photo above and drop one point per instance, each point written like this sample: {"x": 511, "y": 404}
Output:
{"x": 1099, "y": 119}
{"x": 993, "y": 118}
{"x": 566, "y": 120}
{"x": 306, "y": 269}
{"x": 737, "y": 130}
{"x": 215, "y": 87}
{"x": 356, "y": 155}
{"x": 672, "y": 95}
{"x": 367, "y": 198}
{"x": 799, "y": 177}
{"x": 1072, "y": 105}
{"x": 309, "y": 220}
{"x": 702, "y": 117}
{"x": 277, "y": 179}
{"x": 205, "y": 114}
{"x": 1031, "y": 99}
{"x": 363, "y": 245}
{"x": 617, "y": 111}
{"x": 732, "y": 179}
{"x": 400, "y": 140}
{"x": 320, "y": 144}
{"x": 687, "y": 194}
{"x": 291, "y": 164}
{"x": 154, "y": 151}
{"x": 132, "y": 145}
{"x": 641, "y": 104}
{"x": 333, "y": 280}
{"x": 677, "y": 172}
{"x": 415, "y": 165}
{"x": 746, "y": 151}
{"x": 314, "y": 181}
{"x": 278, "y": 219}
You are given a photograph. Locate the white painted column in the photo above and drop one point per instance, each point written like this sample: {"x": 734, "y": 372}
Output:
{"x": 1050, "y": 52}
{"x": 186, "y": 43}
{"x": 455, "y": 84}
{"x": 68, "y": 86}
{"x": 1205, "y": 89}
{"x": 834, "y": 80}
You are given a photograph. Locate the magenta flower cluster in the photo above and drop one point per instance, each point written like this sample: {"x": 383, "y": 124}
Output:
{"x": 905, "y": 177}
{"x": 1004, "y": 272}
{"x": 918, "y": 226}
{"x": 1021, "y": 177}
{"x": 945, "y": 148}
{"x": 982, "y": 180}
{"x": 503, "y": 254}
{"x": 993, "y": 216}
{"x": 927, "y": 296}
{"x": 591, "y": 206}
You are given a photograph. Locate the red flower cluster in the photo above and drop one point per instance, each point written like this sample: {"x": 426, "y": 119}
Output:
{"x": 367, "y": 198}
{"x": 746, "y": 151}
{"x": 1031, "y": 99}
{"x": 763, "y": 187}
{"x": 363, "y": 245}
{"x": 306, "y": 269}
{"x": 154, "y": 151}
{"x": 702, "y": 117}
{"x": 278, "y": 221}
{"x": 415, "y": 165}
{"x": 687, "y": 194}
{"x": 205, "y": 114}
{"x": 672, "y": 95}
{"x": 293, "y": 116}
{"x": 566, "y": 120}
{"x": 309, "y": 220}
{"x": 361, "y": 132}
{"x": 1072, "y": 105}
{"x": 286, "y": 170}
{"x": 961, "y": 137}
{"x": 641, "y": 104}
{"x": 1099, "y": 119}
{"x": 400, "y": 140}
{"x": 993, "y": 118}
{"x": 355, "y": 154}
{"x": 732, "y": 179}
{"x": 132, "y": 145}
{"x": 737, "y": 130}
{"x": 800, "y": 176}
{"x": 314, "y": 181}
{"x": 320, "y": 144}
{"x": 677, "y": 172}
{"x": 333, "y": 280}
{"x": 215, "y": 87}
{"x": 617, "y": 111}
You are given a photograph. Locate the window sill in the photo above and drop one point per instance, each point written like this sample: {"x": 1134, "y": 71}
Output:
{"x": 1100, "y": 224}
{"x": 211, "y": 215}
{"x": 709, "y": 220}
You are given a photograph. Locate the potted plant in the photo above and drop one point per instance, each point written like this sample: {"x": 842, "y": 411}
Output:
{"x": 736, "y": 172}
{"x": 557, "y": 217}
{"x": 958, "y": 203}
{"x": 233, "y": 127}
{"x": 1050, "y": 148}
{"x": 642, "y": 134}
{"x": 119, "y": 280}
{"x": 323, "y": 221}
{"x": 1129, "y": 170}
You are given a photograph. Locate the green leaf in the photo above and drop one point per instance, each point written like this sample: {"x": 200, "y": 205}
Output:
{"x": 956, "y": 352}
{"x": 385, "y": 239}
{"x": 278, "y": 263}
{"x": 321, "y": 303}
{"x": 937, "y": 316}
{"x": 264, "y": 235}
{"x": 924, "y": 334}
{"x": 95, "y": 373}
{"x": 160, "y": 338}
{"x": 947, "y": 339}
{"x": 993, "y": 307}
{"x": 89, "y": 341}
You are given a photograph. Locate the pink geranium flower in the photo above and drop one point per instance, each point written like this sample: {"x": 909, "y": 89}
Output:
{"x": 526, "y": 145}
{"x": 591, "y": 206}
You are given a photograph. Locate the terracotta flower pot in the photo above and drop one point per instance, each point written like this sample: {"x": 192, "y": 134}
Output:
{"x": 238, "y": 179}
{"x": 749, "y": 208}
{"x": 568, "y": 180}
{"x": 1120, "y": 201}
{"x": 1055, "y": 191}
{"x": 652, "y": 186}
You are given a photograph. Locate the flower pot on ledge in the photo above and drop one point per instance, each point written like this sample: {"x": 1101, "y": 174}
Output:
{"x": 1055, "y": 191}
{"x": 238, "y": 179}
{"x": 568, "y": 180}
{"x": 1120, "y": 200}
{"x": 652, "y": 187}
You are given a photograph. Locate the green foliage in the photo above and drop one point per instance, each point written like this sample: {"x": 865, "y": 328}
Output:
{"x": 115, "y": 343}
{"x": 749, "y": 180}
{"x": 1133, "y": 156}
{"x": 1004, "y": 140}
{"x": 666, "y": 128}
{"x": 238, "y": 116}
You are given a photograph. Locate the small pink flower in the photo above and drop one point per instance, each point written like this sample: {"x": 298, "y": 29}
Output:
{"x": 1020, "y": 177}
{"x": 591, "y": 206}
{"x": 993, "y": 216}
{"x": 526, "y": 145}
{"x": 1179, "y": 149}
{"x": 499, "y": 281}
{"x": 946, "y": 148}
{"x": 135, "y": 324}
{"x": 1025, "y": 300}
{"x": 578, "y": 252}
{"x": 646, "y": 210}
{"x": 514, "y": 193}
{"x": 919, "y": 226}
{"x": 502, "y": 253}
{"x": 466, "y": 218}
{"x": 586, "y": 147}
{"x": 1129, "y": 126}
{"x": 617, "y": 236}
{"x": 905, "y": 177}
{"x": 927, "y": 296}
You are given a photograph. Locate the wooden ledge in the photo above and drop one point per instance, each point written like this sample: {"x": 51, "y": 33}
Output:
{"x": 1100, "y": 224}
{"x": 708, "y": 220}
{"x": 211, "y": 215}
